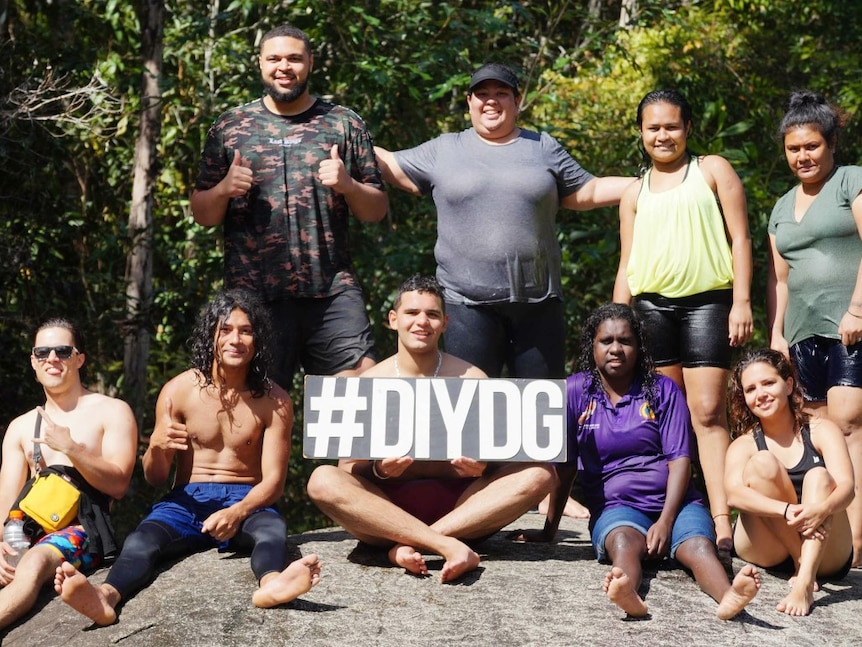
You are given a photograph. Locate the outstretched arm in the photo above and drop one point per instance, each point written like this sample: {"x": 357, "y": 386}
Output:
{"x": 598, "y": 192}
{"x": 393, "y": 173}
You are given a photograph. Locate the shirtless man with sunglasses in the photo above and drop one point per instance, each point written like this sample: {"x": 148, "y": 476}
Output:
{"x": 91, "y": 435}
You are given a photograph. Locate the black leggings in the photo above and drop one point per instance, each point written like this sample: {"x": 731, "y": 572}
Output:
{"x": 153, "y": 541}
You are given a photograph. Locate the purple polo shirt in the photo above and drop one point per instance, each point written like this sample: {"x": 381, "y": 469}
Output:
{"x": 623, "y": 450}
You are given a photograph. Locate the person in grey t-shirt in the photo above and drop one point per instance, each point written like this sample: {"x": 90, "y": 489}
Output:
{"x": 497, "y": 189}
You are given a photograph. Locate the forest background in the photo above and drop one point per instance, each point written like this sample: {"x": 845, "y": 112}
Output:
{"x": 105, "y": 104}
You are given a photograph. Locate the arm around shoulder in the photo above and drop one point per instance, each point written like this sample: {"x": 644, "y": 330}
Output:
{"x": 598, "y": 192}
{"x": 392, "y": 172}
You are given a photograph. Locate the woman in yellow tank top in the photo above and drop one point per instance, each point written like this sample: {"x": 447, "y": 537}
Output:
{"x": 685, "y": 267}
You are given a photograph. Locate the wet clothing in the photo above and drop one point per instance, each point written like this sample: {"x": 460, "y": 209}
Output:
{"x": 823, "y": 251}
{"x": 810, "y": 458}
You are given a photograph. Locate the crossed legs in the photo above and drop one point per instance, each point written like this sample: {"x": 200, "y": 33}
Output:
{"x": 490, "y": 503}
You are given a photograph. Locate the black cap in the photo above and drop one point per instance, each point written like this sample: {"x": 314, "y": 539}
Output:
{"x": 494, "y": 72}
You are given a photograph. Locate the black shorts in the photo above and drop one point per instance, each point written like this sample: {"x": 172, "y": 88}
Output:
{"x": 324, "y": 335}
{"x": 822, "y": 362}
{"x": 691, "y": 331}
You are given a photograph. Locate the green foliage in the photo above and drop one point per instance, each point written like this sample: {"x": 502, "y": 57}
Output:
{"x": 402, "y": 64}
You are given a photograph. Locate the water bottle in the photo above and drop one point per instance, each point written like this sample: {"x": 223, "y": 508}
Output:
{"x": 13, "y": 534}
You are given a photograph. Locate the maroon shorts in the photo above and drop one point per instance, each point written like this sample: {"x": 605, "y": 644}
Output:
{"x": 426, "y": 499}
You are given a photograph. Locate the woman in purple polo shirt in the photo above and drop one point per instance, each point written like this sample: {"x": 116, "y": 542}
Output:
{"x": 629, "y": 438}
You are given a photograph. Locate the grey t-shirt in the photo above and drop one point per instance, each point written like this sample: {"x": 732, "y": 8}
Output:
{"x": 823, "y": 251}
{"x": 496, "y": 212}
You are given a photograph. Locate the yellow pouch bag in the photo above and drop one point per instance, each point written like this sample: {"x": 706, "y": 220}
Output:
{"x": 52, "y": 501}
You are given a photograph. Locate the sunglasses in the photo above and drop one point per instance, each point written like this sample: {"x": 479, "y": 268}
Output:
{"x": 62, "y": 352}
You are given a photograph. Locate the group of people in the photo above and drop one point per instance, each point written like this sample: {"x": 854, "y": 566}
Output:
{"x": 283, "y": 174}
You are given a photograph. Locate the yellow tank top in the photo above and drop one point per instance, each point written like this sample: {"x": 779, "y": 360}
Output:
{"x": 679, "y": 244}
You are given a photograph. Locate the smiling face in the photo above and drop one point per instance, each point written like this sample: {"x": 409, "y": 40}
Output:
{"x": 53, "y": 371}
{"x": 419, "y": 321}
{"x": 493, "y": 110}
{"x": 765, "y": 392}
{"x": 615, "y": 351}
{"x": 285, "y": 64}
{"x": 809, "y": 155}
{"x": 234, "y": 340}
{"x": 663, "y": 132}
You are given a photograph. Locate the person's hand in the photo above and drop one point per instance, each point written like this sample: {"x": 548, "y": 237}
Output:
{"x": 389, "y": 468}
{"x": 222, "y": 524}
{"x": 810, "y": 520}
{"x": 57, "y": 437}
{"x": 239, "y": 178}
{"x": 658, "y": 539}
{"x": 740, "y": 324}
{"x": 170, "y": 434}
{"x": 850, "y": 329}
{"x": 780, "y": 344}
{"x": 468, "y": 467}
{"x": 332, "y": 172}
{"x": 7, "y": 572}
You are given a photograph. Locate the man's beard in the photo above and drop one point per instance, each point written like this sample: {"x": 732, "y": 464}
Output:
{"x": 285, "y": 97}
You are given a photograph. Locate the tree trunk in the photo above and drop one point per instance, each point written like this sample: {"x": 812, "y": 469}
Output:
{"x": 139, "y": 263}
{"x": 628, "y": 9}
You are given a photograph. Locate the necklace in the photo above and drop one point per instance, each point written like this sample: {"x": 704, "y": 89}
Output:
{"x": 436, "y": 370}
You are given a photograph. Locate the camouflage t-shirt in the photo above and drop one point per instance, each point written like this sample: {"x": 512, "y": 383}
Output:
{"x": 288, "y": 236}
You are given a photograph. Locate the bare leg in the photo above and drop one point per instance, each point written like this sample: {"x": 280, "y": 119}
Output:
{"x": 698, "y": 555}
{"x": 289, "y": 584}
{"x": 706, "y": 389}
{"x": 626, "y": 548}
{"x": 34, "y": 571}
{"x": 844, "y": 408}
{"x": 365, "y": 512}
{"x": 97, "y": 603}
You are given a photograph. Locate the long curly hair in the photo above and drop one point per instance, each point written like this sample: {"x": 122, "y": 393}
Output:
{"x": 742, "y": 420}
{"x": 211, "y": 318}
{"x": 587, "y": 361}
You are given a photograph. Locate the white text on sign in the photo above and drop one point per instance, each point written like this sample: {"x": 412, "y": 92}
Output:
{"x": 435, "y": 418}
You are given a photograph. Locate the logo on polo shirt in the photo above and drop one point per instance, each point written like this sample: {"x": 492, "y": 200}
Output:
{"x": 647, "y": 412}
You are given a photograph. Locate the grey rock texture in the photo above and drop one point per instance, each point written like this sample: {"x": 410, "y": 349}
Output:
{"x": 521, "y": 595}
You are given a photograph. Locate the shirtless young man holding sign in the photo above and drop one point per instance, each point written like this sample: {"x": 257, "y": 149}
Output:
{"x": 426, "y": 506}
{"x": 228, "y": 428}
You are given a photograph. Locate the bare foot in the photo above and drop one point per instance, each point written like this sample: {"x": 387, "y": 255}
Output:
{"x": 296, "y": 579}
{"x": 799, "y": 601}
{"x": 77, "y": 591}
{"x": 408, "y": 558}
{"x": 460, "y": 559}
{"x": 742, "y": 590}
{"x": 573, "y": 509}
{"x": 620, "y": 591}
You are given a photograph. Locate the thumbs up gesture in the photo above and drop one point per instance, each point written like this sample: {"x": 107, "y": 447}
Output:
{"x": 239, "y": 177}
{"x": 332, "y": 172}
{"x": 169, "y": 433}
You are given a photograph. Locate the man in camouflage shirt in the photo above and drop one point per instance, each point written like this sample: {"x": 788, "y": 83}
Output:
{"x": 282, "y": 174}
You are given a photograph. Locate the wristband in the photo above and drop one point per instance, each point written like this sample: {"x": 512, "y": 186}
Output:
{"x": 786, "y": 508}
{"x": 378, "y": 474}
{"x": 852, "y": 315}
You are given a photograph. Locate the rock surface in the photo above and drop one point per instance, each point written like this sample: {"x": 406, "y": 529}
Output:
{"x": 521, "y": 595}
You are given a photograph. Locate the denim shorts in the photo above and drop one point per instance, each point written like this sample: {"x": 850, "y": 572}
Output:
{"x": 325, "y": 335}
{"x": 822, "y": 363}
{"x": 691, "y": 331}
{"x": 693, "y": 520}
